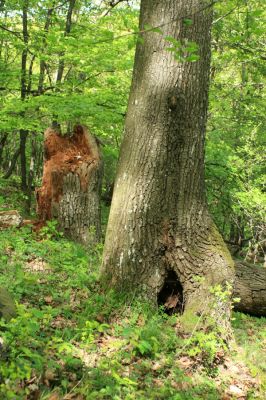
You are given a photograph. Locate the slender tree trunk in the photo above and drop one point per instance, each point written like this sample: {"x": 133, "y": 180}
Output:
{"x": 23, "y": 160}
{"x": 61, "y": 64}
{"x": 159, "y": 228}
{"x": 2, "y": 145}
{"x": 42, "y": 62}
{"x": 23, "y": 89}
{"x": 12, "y": 164}
{"x": 31, "y": 173}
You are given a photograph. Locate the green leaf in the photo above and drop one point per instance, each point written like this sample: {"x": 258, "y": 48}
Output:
{"x": 172, "y": 40}
{"x": 150, "y": 28}
{"x": 172, "y": 49}
{"x": 187, "y": 21}
{"x": 193, "y": 58}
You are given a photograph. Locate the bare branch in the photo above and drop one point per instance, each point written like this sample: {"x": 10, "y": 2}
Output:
{"x": 112, "y": 5}
{"x": 17, "y": 34}
{"x": 224, "y": 16}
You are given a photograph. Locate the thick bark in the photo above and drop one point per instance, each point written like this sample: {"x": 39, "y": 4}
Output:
{"x": 159, "y": 223}
{"x": 71, "y": 184}
{"x": 250, "y": 288}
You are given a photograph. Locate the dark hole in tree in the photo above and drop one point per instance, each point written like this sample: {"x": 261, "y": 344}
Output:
{"x": 171, "y": 294}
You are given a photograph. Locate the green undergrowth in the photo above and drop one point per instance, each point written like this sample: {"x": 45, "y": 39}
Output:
{"x": 13, "y": 195}
{"x": 250, "y": 333}
{"x": 72, "y": 340}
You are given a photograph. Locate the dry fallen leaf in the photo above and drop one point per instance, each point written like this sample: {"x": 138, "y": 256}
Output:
{"x": 185, "y": 362}
{"x": 156, "y": 366}
{"x": 171, "y": 301}
{"x": 158, "y": 382}
{"x": 48, "y": 299}
{"x": 100, "y": 318}
{"x": 49, "y": 376}
{"x": 73, "y": 396}
{"x": 236, "y": 391}
{"x": 54, "y": 396}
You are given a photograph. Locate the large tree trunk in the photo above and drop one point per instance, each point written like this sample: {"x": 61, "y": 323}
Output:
{"x": 71, "y": 184}
{"x": 159, "y": 228}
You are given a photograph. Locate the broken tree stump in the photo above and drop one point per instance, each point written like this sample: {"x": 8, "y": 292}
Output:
{"x": 71, "y": 185}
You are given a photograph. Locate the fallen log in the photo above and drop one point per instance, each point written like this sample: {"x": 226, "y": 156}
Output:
{"x": 10, "y": 219}
{"x": 250, "y": 288}
{"x": 71, "y": 184}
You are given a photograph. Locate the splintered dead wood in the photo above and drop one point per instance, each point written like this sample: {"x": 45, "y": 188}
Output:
{"x": 64, "y": 155}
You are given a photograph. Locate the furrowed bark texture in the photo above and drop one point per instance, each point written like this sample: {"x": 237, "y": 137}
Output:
{"x": 71, "y": 184}
{"x": 250, "y": 288}
{"x": 159, "y": 220}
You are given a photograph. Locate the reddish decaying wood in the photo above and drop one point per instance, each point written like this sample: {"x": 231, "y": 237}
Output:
{"x": 71, "y": 184}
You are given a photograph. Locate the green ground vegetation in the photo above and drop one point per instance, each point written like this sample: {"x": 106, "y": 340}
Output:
{"x": 72, "y": 340}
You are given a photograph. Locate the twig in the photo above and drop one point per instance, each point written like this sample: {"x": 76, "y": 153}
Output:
{"x": 223, "y": 16}
{"x": 112, "y": 4}
{"x": 17, "y": 34}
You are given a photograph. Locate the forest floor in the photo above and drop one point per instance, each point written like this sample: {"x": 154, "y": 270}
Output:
{"x": 73, "y": 340}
